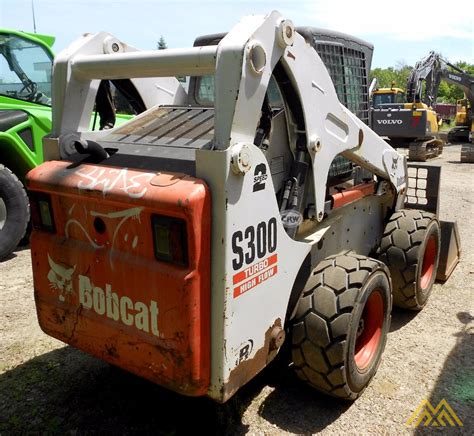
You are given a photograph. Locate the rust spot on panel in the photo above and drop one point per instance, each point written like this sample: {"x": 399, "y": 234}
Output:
{"x": 111, "y": 351}
{"x": 249, "y": 368}
{"x": 58, "y": 318}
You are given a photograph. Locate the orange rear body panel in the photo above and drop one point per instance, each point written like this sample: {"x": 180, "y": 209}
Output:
{"x": 102, "y": 290}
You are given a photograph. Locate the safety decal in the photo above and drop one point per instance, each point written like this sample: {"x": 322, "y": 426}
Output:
{"x": 244, "y": 351}
{"x": 415, "y": 119}
{"x": 255, "y": 274}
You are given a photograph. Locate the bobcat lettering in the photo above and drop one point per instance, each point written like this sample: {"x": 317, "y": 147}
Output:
{"x": 119, "y": 308}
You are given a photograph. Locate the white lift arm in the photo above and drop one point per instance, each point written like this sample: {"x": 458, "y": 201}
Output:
{"x": 74, "y": 94}
{"x": 243, "y": 63}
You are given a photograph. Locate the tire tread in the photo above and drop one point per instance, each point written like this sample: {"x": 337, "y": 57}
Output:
{"x": 328, "y": 360}
{"x": 11, "y": 183}
{"x": 402, "y": 261}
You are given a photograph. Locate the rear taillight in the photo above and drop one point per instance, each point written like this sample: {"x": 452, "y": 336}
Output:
{"x": 170, "y": 239}
{"x": 42, "y": 216}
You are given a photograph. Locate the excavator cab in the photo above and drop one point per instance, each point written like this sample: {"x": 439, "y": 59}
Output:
{"x": 390, "y": 96}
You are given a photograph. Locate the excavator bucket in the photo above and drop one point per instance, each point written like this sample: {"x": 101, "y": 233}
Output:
{"x": 423, "y": 193}
{"x": 467, "y": 153}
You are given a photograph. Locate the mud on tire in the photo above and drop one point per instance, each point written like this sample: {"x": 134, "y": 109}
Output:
{"x": 410, "y": 247}
{"x": 341, "y": 323}
{"x": 14, "y": 211}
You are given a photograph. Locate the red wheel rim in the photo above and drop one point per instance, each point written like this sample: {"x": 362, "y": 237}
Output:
{"x": 370, "y": 331}
{"x": 429, "y": 257}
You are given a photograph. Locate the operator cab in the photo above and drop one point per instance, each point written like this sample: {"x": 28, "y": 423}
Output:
{"x": 384, "y": 96}
{"x": 25, "y": 69}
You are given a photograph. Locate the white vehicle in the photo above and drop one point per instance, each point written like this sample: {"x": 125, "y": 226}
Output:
{"x": 193, "y": 242}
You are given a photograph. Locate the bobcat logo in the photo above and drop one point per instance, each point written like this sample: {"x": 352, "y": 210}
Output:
{"x": 394, "y": 164}
{"x": 60, "y": 278}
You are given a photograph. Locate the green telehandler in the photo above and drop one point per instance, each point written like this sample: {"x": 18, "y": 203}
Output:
{"x": 26, "y": 61}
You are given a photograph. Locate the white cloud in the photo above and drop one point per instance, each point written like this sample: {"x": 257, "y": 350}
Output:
{"x": 414, "y": 20}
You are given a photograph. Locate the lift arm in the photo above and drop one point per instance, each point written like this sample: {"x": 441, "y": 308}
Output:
{"x": 243, "y": 63}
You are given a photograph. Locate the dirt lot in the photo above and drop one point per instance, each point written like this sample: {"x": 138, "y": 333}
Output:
{"x": 46, "y": 386}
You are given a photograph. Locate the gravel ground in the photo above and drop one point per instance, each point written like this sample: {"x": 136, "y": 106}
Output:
{"x": 46, "y": 386}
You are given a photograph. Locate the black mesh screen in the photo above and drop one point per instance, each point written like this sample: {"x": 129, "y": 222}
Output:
{"x": 347, "y": 68}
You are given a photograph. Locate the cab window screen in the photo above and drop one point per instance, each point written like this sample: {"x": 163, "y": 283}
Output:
{"x": 205, "y": 91}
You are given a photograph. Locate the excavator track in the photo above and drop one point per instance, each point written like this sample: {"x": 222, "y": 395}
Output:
{"x": 421, "y": 151}
{"x": 458, "y": 135}
{"x": 467, "y": 153}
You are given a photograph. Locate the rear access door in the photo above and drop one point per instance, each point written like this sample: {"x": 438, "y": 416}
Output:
{"x": 122, "y": 267}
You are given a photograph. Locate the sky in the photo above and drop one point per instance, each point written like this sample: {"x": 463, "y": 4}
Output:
{"x": 402, "y": 31}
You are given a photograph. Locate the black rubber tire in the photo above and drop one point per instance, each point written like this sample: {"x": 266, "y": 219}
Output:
{"x": 325, "y": 326}
{"x": 15, "y": 200}
{"x": 402, "y": 249}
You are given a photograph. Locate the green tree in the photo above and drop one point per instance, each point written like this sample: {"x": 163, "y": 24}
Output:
{"x": 386, "y": 76}
{"x": 161, "y": 45}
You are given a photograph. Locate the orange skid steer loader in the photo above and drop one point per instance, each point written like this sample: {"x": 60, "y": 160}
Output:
{"x": 191, "y": 243}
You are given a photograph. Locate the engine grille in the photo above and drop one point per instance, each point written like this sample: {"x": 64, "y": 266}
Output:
{"x": 169, "y": 127}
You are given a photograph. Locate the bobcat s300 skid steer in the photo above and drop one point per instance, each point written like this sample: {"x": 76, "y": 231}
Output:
{"x": 193, "y": 242}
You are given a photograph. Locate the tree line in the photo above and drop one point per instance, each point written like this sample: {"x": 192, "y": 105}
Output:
{"x": 399, "y": 74}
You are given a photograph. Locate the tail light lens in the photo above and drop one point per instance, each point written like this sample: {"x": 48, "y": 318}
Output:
{"x": 170, "y": 239}
{"x": 42, "y": 216}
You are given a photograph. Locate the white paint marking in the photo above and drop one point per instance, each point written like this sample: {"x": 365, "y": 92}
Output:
{"x": 107, "y": 179}
{"x": 77, "y": 223}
